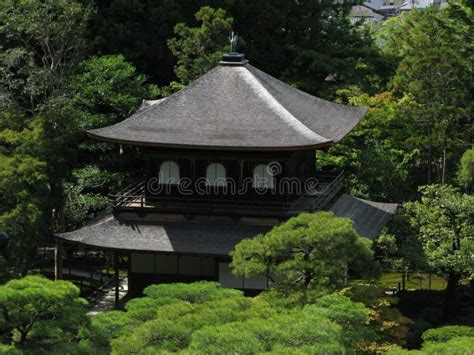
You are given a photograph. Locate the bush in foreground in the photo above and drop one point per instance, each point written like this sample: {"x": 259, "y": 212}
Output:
{"x": 206, "y": 318}
{"x": 444, "y": 334}
{"x": 37, "y": 312}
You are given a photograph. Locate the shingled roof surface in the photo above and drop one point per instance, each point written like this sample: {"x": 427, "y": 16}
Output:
{"x": 236, "y": 107}
{"x": 178, "y": 237}
{"x": 369, "y": 217}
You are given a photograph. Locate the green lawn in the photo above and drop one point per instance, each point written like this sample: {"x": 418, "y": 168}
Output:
{"x": 415, "y": 281}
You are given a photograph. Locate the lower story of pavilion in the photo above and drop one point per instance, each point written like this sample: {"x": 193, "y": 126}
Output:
{"x": 167, "y": 250}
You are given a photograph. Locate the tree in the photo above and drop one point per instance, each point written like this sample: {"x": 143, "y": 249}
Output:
{"x": 197, "y": 50}
{"x": 444, "y": 220}
{"x": 205, "y": 318}
{"x": 40, "y": 41}
{"x": 291, "y": 331}
{"x": 466, "y": 171}
{"x": 105, "y": 327}
{"x": 23, "y": 190}
{"x": 38, "y": 312}
{"x": 307, "y": 253}
{"x": 379, "y": 156}
{"x": 295, "y": 41}
{"x": 197, "y": 292}
{"x": 103, "y": 91}
{"x": 139, "y": 30}
{"x": 84, "y": 194}
{"x": 288, "y": 39}
{"x": 390, "y": 326}
{"x": 398, "y": 247}
{"x": 353, "y": 317}
{"x": 435, "y": 73}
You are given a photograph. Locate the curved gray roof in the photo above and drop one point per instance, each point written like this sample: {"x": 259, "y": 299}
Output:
{"x": 369, "y": 217}
{"x": 210, "y": 238}
{"x": 235, "y": 107}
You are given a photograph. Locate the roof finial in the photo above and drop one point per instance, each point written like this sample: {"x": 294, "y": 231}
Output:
{"x": 233, "y": 58}
{"x": 234, "y": 38}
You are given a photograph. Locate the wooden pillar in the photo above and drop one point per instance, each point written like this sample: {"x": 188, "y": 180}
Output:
{"x": 116, "y": 280}
{"x": 58, "y": 260}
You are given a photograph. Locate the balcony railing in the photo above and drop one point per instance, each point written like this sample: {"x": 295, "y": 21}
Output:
{"x": 134, "y": 198}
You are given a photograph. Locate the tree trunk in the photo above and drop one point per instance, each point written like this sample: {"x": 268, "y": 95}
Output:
{"x": 443, "y": 176}
{"x": 429, "y": 178}
{"x": 23, "y": 335}
{"x": 450, "y": 298}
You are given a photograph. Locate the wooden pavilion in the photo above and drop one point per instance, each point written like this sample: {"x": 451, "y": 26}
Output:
{"x": 227, "y": 158}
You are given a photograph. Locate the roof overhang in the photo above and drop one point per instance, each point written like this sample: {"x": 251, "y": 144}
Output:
{"x": 183, "y": 237}
{"x": 105, "y": 139}
{"x": 235, "y": 107}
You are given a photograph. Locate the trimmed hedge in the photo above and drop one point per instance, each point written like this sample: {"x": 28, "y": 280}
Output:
{"x": 443, "y": 334}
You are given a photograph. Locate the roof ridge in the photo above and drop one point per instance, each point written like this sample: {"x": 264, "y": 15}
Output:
{"x": 301, "y": 92}
{"x": 281, "y": 111}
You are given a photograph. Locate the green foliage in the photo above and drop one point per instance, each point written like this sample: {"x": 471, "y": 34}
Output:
{"x": 455, "y": 346}
{"x": 278, "y": 42}
{"x": 466, "y": 170}
{"x": 207, "y": 322}
{"x": 229, "y": 338}
{"x": 198, "y": 292}
{"x": 390, "y": 326}
{"x": 23, "y": 187}
{"x": 198, "y": 50}
{"x": 40, "y": 312}
{"x": 87, "y": 194}
{"x": 444, "y": 334}
{"x": 380, "y": 143}
{"x": 444, "y": 221}
{"x": 104, "y": 327}
{"x": 353, "y": 317}
{"x": 417, "y": 130}
{"x": 306, "y": 253}
{"x": 291, "y": 331}
{"x": 399, "y": 248}
{"x": 40, "y": 40}
{"x": 435, "y": 71}
{"x": 103, "y": 91}
{"x": 106, "y": 90}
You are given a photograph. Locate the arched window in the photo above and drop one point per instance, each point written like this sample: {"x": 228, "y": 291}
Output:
{"x": 263, "y": 177}
{"x": 215, "y": 175}
{"x": 169, "y": 173}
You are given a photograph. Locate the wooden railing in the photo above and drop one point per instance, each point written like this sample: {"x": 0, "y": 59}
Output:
{"x": 133, "y": 197}
{"x": 330, "y": 192}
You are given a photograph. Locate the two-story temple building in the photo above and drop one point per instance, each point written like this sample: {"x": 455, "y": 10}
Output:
{"x": 227, "y": 158}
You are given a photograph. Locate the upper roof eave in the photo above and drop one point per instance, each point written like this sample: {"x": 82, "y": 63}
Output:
{"x": 91, "y": 134}
{"x": 235, "y": 108}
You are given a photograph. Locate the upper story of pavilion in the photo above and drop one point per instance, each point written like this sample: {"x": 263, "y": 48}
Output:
{"x": 236, "y": 141}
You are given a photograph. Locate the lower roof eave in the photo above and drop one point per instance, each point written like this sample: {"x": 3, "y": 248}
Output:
{"x": 104, "y": 139}
{"x": 122, "y": 250}
{"x": 170, "y": 237}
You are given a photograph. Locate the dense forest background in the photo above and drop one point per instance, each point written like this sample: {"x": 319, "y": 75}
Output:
{"x": 67, "y": 66}
{"x": 70, "y": 65}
